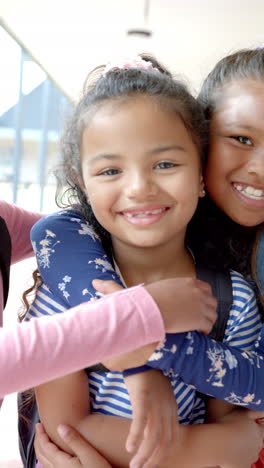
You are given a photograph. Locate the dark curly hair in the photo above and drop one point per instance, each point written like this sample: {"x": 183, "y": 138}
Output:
{"x": 119, "y": 84}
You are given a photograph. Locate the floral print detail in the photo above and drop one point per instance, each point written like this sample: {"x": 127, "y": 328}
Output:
{"x": 86, "y": 230}
{"x": 253, "y": 357}
{"x": 69, "y": 273}
{"x": 157, "y": 354}
{"x": 62, "y": 286}
{"x": 189, "y": 337}
{"x": 102, "y": 264}
{"x": 218, "y": 357}
{"x": 93, "y": 297}
{"x": 230, "y": 359}
{"x": 242, "y": 401}
{"x": 46, "y": 249}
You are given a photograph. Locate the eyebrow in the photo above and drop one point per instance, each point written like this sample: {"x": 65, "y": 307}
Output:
{"x": 237, "y": 124}
{"x": 107, "y": 156}
{"x": 162, "y": 149}
{"x": 156, "y": 150}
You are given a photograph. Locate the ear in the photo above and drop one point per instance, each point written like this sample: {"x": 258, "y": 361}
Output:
{"x": 202, "y": 192}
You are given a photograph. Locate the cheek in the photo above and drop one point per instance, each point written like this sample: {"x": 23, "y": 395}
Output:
{"x": 102, "y": 199}
{"x": 217, "y": 167}
{"x": 186, "y": 192}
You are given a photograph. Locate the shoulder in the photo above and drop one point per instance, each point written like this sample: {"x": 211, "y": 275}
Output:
{"x": 59, "y": 220}
{"x": 240, "y": 284}
{"x": 244, "y": 321}
{"x": 66, "y": 224}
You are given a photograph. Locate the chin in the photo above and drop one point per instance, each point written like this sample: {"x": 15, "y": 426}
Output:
{"x": 246, "y": 221}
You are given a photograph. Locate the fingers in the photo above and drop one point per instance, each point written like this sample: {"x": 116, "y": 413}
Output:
{"x": 155, "y": 447}
{"x": 169, "y": 439}
{"x": 152, "y": 438}
{"x": 48, "y": 453}
{"x": 203, "y": 285}
{"x": 137, "y": 427}
{"x": 52, "y": 457}
{"x": 206, "y": 325}
{"x": 106, "y": 287}
{"x": 87, "y": 455}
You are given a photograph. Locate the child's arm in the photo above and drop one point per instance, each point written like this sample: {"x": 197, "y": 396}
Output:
{"x": 242, "y": 332}
{"x": 231, "y": 375}
{"x": 63, "y": 401}
{"x": 196, "y": 359}
{"x": 155, "y": 417}
{"x": 234, "y": 442}
{"x": 240, "y": 454}
{"x": 50, "y": 455}
{"x": 191, "y": 356}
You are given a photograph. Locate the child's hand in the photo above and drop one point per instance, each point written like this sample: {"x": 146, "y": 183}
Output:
{"x": 246, "y": 438}
{"x": 154, "y": 428}
{"x": 185, "y": 304}
{"x": 51, "y": 456}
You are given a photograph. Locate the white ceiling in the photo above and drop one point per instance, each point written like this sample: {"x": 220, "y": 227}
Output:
{"x": 68, "y": 38}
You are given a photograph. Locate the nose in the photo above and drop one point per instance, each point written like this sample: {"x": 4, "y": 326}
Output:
{"x": 255, "y": 165}
{"x": 140, "y": 186}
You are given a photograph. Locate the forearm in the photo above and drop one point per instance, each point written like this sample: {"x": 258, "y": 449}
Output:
{"x": 63, "y": 401}
{"x": 50, "y": 347}
{"x": 216, "y": 369}
{"x": 201, "y": 445}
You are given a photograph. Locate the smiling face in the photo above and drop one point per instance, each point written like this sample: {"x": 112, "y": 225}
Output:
{"x": 141, "y": 172}
{"x": 235, "y": 170}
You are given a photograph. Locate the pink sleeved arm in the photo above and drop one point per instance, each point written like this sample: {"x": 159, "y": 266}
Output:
{"x": 19, "y": 223}
{"x": 50, "y": 347}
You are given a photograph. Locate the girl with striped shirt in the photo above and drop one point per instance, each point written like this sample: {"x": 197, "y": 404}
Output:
{"x": 141, "y": 137}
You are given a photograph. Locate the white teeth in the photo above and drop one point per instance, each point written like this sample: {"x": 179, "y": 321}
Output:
{"x": 143, "y": 214}
{"x": 250, "y": 192}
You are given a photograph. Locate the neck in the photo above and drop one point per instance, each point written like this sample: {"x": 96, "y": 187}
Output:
{"x": 146, "y": 265}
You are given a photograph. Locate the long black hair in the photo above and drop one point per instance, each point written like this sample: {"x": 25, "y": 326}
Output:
{"x": 224, "y": 241}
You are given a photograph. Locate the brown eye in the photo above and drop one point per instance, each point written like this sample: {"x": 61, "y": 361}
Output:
{"x": 165, "y": 165}
{"x": 109, "y": 172}
{"x": 243, "y": 140}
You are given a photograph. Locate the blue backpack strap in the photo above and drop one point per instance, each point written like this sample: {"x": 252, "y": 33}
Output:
{"x": 221, "y": 284}
{"x": 5, "y": 256}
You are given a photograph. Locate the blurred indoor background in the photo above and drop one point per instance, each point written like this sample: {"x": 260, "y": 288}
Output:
{"x": 46, "y": 50}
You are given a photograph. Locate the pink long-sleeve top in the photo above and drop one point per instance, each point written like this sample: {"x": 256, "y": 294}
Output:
{"x": 50, "y": 347}
{"x": 19, "y": 223}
